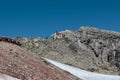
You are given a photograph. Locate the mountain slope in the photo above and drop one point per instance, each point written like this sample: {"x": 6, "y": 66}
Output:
{"x": 21, "y": 64}
{"x": 87, "y": 48}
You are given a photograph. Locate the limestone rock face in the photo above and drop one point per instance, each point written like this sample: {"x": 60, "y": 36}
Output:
{"x": 87, "y": 48}
{"x": 114, "y": 57}
{"x": 23, "y": 65}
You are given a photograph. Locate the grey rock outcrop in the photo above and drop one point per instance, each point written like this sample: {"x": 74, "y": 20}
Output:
{"x": 87, "y": 48}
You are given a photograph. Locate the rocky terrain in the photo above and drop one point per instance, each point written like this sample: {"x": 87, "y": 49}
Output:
{"x": 23, "y": 65}
{"x": 88, "y": 48}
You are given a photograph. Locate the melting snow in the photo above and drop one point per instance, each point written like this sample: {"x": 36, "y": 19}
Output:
{"x": 82, "y": 74}
{"x": 6, "y": 77}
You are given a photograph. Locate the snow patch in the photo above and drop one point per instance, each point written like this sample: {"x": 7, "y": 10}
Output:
{"x": 82, "y": 74}
{"x": 6, "y": 77}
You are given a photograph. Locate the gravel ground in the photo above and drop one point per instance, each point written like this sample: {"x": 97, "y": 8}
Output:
{"x": 21, "y": 64}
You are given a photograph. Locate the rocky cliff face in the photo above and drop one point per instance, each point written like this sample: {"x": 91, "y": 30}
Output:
{"x": 87, "y": 48}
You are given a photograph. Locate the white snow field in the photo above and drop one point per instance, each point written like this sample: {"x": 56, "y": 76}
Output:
{"x": 82, "y": 74}
{"x": 6, "y": 77}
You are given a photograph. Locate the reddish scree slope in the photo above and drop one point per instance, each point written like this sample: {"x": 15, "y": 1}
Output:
{"x": 19, "y": 63}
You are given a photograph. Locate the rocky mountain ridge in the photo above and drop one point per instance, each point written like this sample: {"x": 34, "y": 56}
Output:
{"x": 88, "y": 48}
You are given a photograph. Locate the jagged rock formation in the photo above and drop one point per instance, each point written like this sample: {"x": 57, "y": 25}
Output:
{"x": 87, "y": 48}
{"x": 21, "y": 64}
{"x": 9, "y": 40}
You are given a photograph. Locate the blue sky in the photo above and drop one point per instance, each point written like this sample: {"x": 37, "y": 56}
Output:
{"x": 32, "y": 18}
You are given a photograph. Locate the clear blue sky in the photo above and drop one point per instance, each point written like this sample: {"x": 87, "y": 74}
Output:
{"x": 32, "y": 18}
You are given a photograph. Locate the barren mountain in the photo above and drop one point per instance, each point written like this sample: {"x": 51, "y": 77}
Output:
{"x": 21, "y": 64}
{"x": 88, "y": 48}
